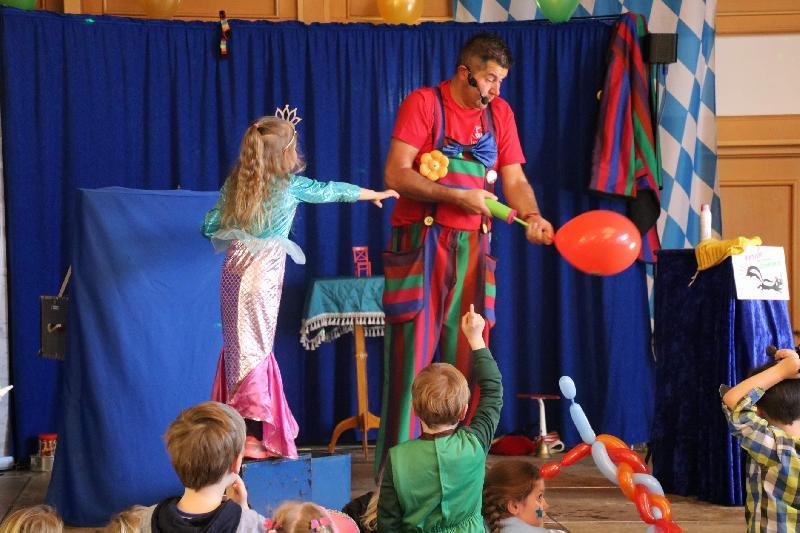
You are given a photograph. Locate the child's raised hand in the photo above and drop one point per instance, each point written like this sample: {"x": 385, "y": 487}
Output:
{"x": 237, "y": 492}
{"x": 472, "y": 325}
{"x": 789, "y": 362}
{"x": 383, "y": 195}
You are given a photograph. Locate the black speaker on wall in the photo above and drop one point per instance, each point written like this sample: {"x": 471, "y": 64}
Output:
{"x": 53, "y": 326}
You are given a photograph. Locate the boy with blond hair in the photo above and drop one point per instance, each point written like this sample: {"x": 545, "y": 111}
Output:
{"x": 434, "y": 483}
{"x": 206, "y": 446}
{"x": 36, "y": 519}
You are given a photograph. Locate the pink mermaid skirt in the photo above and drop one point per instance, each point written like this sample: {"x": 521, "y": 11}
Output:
{"x": 248, "y": 378}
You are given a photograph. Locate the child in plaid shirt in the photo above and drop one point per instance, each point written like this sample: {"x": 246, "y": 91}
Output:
{"x": 770, "y": 433}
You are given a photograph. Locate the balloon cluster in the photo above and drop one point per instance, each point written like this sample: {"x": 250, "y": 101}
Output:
{"x": 619, "y": 464}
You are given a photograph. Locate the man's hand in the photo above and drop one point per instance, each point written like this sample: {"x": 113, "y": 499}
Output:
{"x": 472, "y": 324}
{"x": 789, "y": 363}
{"x": 473, "y": 201}
{"x": 539, "y": 231}
{"x": 237, "y": 492}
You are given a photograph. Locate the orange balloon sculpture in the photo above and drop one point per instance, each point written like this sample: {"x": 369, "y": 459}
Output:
{"x": 400, "y": 11}
{"x": 160, "y": 9}
{"x": 599, "y": 242}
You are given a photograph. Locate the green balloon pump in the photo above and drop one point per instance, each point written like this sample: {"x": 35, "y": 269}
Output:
{"x": 504, "y": 212}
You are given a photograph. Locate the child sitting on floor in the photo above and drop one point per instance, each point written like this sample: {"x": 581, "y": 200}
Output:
{"x": 127, "y": 521}
{"x": 763, "y": 412}
{"x": 305, "y": 517}
{"x": 36, "y": 519}
{"x": 206, "y": 446}
{"x": 434, "y": 483}
{"x": 513, "y": 498}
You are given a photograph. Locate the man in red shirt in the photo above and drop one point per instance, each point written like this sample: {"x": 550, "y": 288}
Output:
{"x": 439, "y": 261}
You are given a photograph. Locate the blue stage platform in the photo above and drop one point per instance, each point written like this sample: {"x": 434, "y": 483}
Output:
{"x": 324, "y": 480}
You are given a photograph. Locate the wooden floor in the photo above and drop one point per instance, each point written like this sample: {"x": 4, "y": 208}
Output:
{"x": 580, "y": 498}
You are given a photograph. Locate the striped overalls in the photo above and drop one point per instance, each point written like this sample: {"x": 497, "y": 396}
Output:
{"x": 434, "y": 270}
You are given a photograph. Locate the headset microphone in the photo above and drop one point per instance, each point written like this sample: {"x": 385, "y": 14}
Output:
{"x": 474, "y": 83}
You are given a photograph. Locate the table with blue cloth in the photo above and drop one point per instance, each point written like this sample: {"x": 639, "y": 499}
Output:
{"x": 334, "y": 307}
{"x": 704, "y": 337}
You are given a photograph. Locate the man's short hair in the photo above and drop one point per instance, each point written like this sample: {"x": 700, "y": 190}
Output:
{"x": 203, "y": 442}
{"x": 485, "y": 47}
{"x": 439, "y": 394}
{"x": 781, "y": 402}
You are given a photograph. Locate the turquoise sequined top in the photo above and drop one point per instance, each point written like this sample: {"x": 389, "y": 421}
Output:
{"x": 282, "y": 208}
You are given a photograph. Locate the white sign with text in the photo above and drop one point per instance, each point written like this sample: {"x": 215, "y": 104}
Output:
{"x": 760, "y": 273}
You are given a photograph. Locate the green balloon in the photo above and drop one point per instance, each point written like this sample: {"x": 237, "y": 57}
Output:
{"x": 557, "y": 10}
{"x": 19, "y": 4}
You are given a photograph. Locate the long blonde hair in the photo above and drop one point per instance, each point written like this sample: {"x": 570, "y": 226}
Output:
{"x": 36, "y": 519}
{"x": 507, "y": 481}
{"x": 266, "y": 158}
{"x": 370, "y": 517}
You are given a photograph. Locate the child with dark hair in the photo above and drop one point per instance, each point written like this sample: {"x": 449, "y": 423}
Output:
{"x": 763, "y": 412}
{"x": 513, "y": 498}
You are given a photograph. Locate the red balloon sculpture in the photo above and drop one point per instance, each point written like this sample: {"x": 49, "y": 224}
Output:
{"x": 599, "y": 242}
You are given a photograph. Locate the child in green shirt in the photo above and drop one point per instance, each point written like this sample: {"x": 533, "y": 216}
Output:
{"x": 435, "y": 482}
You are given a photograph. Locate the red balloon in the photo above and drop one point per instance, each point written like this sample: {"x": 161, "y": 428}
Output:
{"x": 642, "y": 502}
{"x": 629, "y": 456}
{"x": 549, "y": 470}
{"x": 576, "y": 454}
{"x": 599, "y": 242}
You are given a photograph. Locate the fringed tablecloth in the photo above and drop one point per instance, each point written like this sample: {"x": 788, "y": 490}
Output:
{"x": 335, "y": 305}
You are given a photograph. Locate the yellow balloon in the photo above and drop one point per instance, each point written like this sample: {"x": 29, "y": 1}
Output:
{"x": 160, "y": 9}
{"x": 400, "y": 11}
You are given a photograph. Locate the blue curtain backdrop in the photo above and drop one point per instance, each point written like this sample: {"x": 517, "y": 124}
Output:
{"x": 94, "y": 102}
{"x": 144, "y": 316}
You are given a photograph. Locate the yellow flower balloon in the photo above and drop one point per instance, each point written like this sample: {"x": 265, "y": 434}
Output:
{"x": 433, "y": 165}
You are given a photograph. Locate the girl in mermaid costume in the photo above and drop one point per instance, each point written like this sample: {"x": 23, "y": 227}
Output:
{"x": 251, "y": 222}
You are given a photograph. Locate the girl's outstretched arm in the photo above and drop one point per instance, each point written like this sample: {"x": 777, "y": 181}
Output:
{"x": 376, "y": 196}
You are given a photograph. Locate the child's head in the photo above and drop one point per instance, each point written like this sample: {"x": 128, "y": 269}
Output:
{"x": 36, "y": 519}
{"x": 205, "y": 442}
{"x": 514, "y": 488}
{"x": 440, "y": 394}
{"x": 781, "y": 402}
{"x": 369, "y": 520}
{"x": 127, "y": 521}
{"x": 266, "y": 158}
{"x": 301, "y": 517}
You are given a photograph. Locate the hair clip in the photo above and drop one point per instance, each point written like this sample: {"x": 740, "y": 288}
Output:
{"x": 269, "y": 525}
{"x": 320, "y": 524}
{"x": 289, "y": 115}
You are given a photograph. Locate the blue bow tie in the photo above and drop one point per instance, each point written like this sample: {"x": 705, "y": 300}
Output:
{"x": 484, "y": 151}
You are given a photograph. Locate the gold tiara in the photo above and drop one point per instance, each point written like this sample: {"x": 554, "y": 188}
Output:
{"x": 289, "y": 115}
